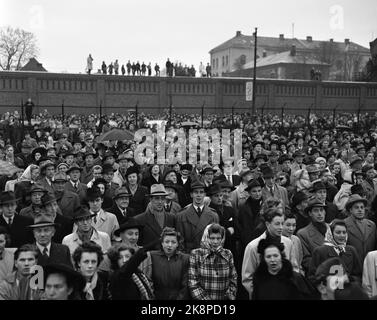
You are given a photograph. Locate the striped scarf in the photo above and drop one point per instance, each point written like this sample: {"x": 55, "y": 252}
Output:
{"x": 143, "y": 285}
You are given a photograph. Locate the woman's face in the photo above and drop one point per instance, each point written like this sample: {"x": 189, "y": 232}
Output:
{"x": 124, "y": 256}
{"x": 155, "y": 169}
{"x": 273, "y": 259}
{"x": 37, "y": 156}
{"x": 101, "y": 188}
{"x": 88, "y": 264}
{"x": 172, "y": 177}
{"x": 340, "y": 235}
{"x": 130, "y": 236}
{"x": 132, "y": 179}
{"x": 170, "y": 245}
{"x": 34, "y": 174}
{"x": 215, "y": 240}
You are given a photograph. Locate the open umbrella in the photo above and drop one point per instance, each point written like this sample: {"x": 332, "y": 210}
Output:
{"x": 343, "y": 128}
{"x": 8, "y": 169}
{"x": 116, "y": 135}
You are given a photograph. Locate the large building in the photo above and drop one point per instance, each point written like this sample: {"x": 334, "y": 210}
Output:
{"x": 345, "y": 59}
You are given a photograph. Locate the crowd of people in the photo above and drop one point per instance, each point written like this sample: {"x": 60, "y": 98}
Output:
{"x": 136, "y": 69}
{"x": 294, "y": 216}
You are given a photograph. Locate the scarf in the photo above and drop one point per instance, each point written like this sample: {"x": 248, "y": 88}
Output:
{"x": 143, "y": 285}
{"x": 90, "y": 285}
{"x": 330, "y": 241}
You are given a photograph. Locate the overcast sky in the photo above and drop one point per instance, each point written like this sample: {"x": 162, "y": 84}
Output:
{"x": 153, "y": 30}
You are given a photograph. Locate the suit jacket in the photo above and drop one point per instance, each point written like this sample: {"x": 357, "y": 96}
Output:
{"x": 80, "y": 191}
{"x": 139, "y": 200}
{"x": 174, "y": 208}
{"x": 332, "y": 212}
{"x": 363, "y": 242}
{"x": 59, "y": 253}
{"x": 185, "y": 197}
{"x": 278, "y": 192}
{"x": 46, "y": 185}
{"x": 371, "y": 191}
{"x": 86, "y": 174}
{"x": 192, "y": 227}
{"x": 152, "y": 229}
{"x": 68, "y": 203}
{"x": 248, "y": 219}
{"x": 106, "y": 222}
{"x": 310, "y": 239}
{"x": 65, "y": 228}
{"x": 121, "y": 218}
{"x": 19, "y": 232}
{"x": 22, "y": 192}
{"x": 236, "y": 179}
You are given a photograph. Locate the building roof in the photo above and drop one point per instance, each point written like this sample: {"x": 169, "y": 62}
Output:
{"x": 33, "y": 65}
{"x": 284, "y": 57}
{"x": 245, "y": 41}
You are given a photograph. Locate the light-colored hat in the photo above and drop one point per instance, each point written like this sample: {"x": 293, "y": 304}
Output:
{"x": 158, "y": 190}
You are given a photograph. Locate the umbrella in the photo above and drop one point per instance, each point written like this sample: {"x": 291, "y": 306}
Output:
{"x": 116, "y": 135}
{"x": 8, "y": 169}
{"x": 343, "y": 127}
{"x": 189, "y": 124}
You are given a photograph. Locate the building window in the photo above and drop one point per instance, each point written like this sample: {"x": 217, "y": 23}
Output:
{"x": 217, "y": 63}
{"x": 223, "y": 61}
{"x": 242, "y": 59}
{"x": 226, "y": 60}
{"x": 214, "y": 63}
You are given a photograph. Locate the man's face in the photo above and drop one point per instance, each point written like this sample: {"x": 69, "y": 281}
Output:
{"x": 247, "y": 155}
{"x": 185, "y": 173}
{"x": 84, "y": 225}
{"x": 110, "y": 160}
{"x": 95, "y": 205}
{"x": 258, "y": 148}
{"x": 370, "y": 174}
{"x": 358, "y": 210}
{"x": 52, "y": 208}
{"x": 56, "y": 287}
{"x": 122, "y": 202}
{"x": 228, "y": 168}
{"x": 59, "y": 185}
{"x": 24, "y": 262}
{"x": 299, "y": 160}
{"x": 75, "y": 175}
{"x": 50, "y": 171}
{"x": 321, "y": 195}
{"x": 313, "y": 176}
{"x": 43, "y": 235}
{"x": 217, "y": 198}
{"x": 269, "y": 181}
{"x": 89, "y": 160}
{"x": 97, "y": 173}
{"x": 2, "y": 243}
{"x": 317, "y": 214}
{"x": 198, "y": 196}
{"x": 256, "y": 193}
{"x": 26, "y": 150}
{"x": 108, "y": 176}
{"x": 69, "y": 160}
{"x": 157, "y": 203}
{"x": 275, "y": 227}
{"x": 208, "y": 176}
{"x": 9, "y": 209}
{"x": 123, "y": 164}
{"x": 36, "y": 197}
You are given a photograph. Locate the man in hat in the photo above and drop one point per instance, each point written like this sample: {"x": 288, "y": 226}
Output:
{"x": 109, "y": 158}
{"x": 271, "y": 189}
{"x": 192, "y": 221}
{"x": 313, "y": 235}
{"x": 239, "y": 196}
{"x": 103, "y": 221}
{"x": 69, "y": 157}
{"x": 320, "y": 192}
{"x": 85, "y": 231}
{"x": 313, "y": 172}
{"x": 74, "y": 185}
{"x": 369, "y": 184}
{"x": 227, "y": 217}
{"x": 120, "y": 206}
{"x": 129, "y": 232}
{"x": 97, "y": 173}
{"x": 361, "y": 231}
{"x": 108, "y": 175}
{"x": 50, "y": 208}
{"x": 63, "y": 144}
{"x": 120, "y": 175}
{"x": 171, "y": 201}
{"x": 67, "y": 200}
{"x": 155, "y": 218}
{"x": 297, "y": 164}
{"x": 258, "y": 148}
{"x": 331, "y": 190}
{"x": 36, "y": 193}
{"x": 16, "y": 285}
{"x": 62, "y": 282}
{"x": 48, "y": 252}
{"x": 272, "y": 162}
{"x": 185, "y": 180}
{"x": 47, "y": 171}
{"x": 26, "y": 149}
{"x": 227, "y": 168}
{"x": 207, "y": 175}
{"x": 15, "y": 224}
{"x": 87, "y": 171}
{"x": 259, "y": 160}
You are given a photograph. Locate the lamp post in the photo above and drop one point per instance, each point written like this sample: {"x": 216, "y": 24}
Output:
{"x": 255, "y": 69}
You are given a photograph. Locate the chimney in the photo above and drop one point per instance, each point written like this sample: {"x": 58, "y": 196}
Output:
{"x": 331, "y": 40}
{"x": 309, "y": 38}
{"x": 347, "y": 41}
{"x": 293, "y": 50}
{"x": 238, "y": 33}
{"x": 264, "y": 53}
{"x": 281, "y": 36}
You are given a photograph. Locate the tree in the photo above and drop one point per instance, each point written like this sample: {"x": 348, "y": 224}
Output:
{"x": 17, "y": 46}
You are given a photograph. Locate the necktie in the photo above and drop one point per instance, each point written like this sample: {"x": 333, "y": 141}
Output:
{"x": 10, "y": 222}
{"x": 272, "y": 191}
{"x": 76, "y": 186}
{"x": 124, "y": 212}
{"x": 45, "y": 252}
{"x": 199, "y": 211}
{"x": 95, "y": 219}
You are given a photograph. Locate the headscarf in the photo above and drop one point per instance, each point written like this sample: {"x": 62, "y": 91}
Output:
{"x": 205, "y": 243}
{"x": 26, "y": 176}
{"x": 300, "y": 182}
{"x": 330, "y": 241}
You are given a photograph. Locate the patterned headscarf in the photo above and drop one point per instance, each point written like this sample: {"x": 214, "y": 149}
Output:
{"x": 330, "y": 241}
{"x": 206, "y": 243}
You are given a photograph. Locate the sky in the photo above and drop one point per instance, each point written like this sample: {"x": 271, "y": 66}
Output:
{"x": 182, "y": 30}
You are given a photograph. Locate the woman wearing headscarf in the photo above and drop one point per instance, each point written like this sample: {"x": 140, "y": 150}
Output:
{"x": 335, "y": 246}
{"x": 169, "y": 267}
{"x": 212, "y": 273}
{"x": 23, "y": 186}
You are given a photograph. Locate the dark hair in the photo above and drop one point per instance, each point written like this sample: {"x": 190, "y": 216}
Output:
{"x": 26, "y": 248}
{"x": 90, "y": 247}
{"x": 99, "y": 181}
{"x": 216, "y": 228}
{"x": 337, "y": 222}
{"x": 289, "y": 215}
{"x": 114, "y": 251}
{"x": 271, "y": 213}
{"x": 266, "y": 243}
{"x": 167, "y": 231}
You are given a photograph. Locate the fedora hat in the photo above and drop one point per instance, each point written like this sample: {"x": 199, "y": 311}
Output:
{"x": 88, "y": 153}
{"x": 48, "y": 198}
{"x": 37, "y": 187}
{"x": 82, "y": 213}
{"x": 252, "y": 184}
{"x": 93, "y": 193}
{"x": 355, "y": 159}
{"x": 260, "y": 156}
{"x": 42, "y": 151}
{"x": 186, "y": 166}
{"x": 197, "y": 185}
{"x": 60, "y": 176}
{"x": 284, "y": 157}
{"x": 206, "y": 169}
{"x": 169, "y": 184}
{"x": 43, "y": 221}
{"x": 312, "y": 168}
{"x": 213, "y": 189}
{"x": 298, "y": 153}
{"x": 226, "y": 184}
{"x": 73, "y": 167}
{"x": 107, "y": 167}
{"x": 131, "y": 223}
{"x": 245, "y": 172}
{"x": 47, "y": 164}
{"x": 319, "y": 185}
{"x": 158, "y": 190}
{"x": 121, "y": 192}
{"x": 73, "y": 277}
{"x": 313, "y": 203}
{"x": 7, "y": 197}
{"x": 354, "y": 198}
{"x": 131, "y": 170}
